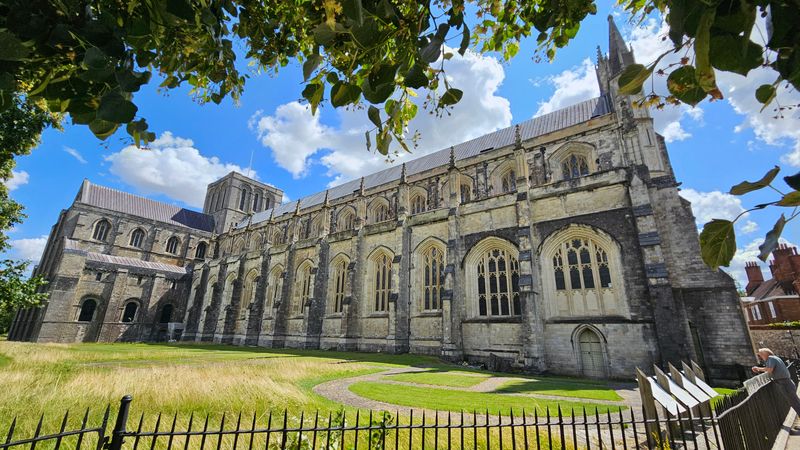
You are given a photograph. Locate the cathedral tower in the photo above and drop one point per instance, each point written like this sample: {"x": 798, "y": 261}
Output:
{"x": 234, "y": 197}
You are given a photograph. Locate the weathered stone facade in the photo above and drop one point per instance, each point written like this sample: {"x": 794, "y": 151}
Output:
{"x": 558, "y": 245}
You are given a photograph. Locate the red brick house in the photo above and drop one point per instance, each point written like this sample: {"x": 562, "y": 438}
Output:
{"x": 775, "y": 300}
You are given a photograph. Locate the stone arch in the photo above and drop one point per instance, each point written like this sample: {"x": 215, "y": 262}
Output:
{"x": 249, "y": 292}
{"x": 418, "y": 200}
{"x": 87, "y": 309}
{"x": 274, "y": 287}
{"x": 378, "y": 279}
{"x": 379, "y": 210}
{"x": 581, "y": 273}
{"x": 303, "y": 287}
{"x": 337, "y": 283}
{"x": 129, "y": 310}
{"x": 345, "y": 218}
{"x": 137, "y": 237}
{"x": 173, "y": 245}
{"x": 429, "y": 262}
{"x": 583, "y": 153}
{"x": 491, "y": 269}
{"x": 591, "y": 347}
{"x": 101, "y": 230}
{"x": 503, "y": 178}
{"x": 201, "y": 250}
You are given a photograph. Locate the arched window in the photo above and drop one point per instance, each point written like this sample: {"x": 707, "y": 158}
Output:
{"x": 581, "y": 264}
{"x": 338, "y": 283}
{"x": 266, "y": 203}
{"x": 465, "y": 191}
{"x": 88, "y": 308}
{"x": 129, "y": 312}
{"x": 277, "y": 236}
{"x": 166, "y": 314}
{"x": 101, "y": 229}
{"x": 379, "y": 211}
{"x": 302, "y": 288}
{"x": 172, "y": 245}
{"x": 220, "y": 197}
{"x": 274, "y": 287}
{"x": 379, "y": 281}
{"x": 432, "y": 259}
{"x": 419, "y": 203}
{"x": 580, "y": 273}
{"x": 574, "y": 166}
{"x": 200, "y": 251}
{"x": 242, "y": 199}
{"x": 492, "y": 270}
{"x": 137, "y": 238}
{"x": 346, "y": 220}
{"x": 256, "y": 200}
{"x": 238, "y": 246}
{"x": 508, "y": 181}
{"x": 249, "y": 295}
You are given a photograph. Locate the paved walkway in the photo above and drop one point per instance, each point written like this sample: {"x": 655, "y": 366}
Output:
{"x": 339, "y": 391}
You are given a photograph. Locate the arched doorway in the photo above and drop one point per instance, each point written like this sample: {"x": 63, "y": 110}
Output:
{"x": 593, "y": 361}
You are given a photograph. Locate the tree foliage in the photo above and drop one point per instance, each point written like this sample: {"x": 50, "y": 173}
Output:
{"x": 88, "y": 59}
{"x": 21, "y": 125}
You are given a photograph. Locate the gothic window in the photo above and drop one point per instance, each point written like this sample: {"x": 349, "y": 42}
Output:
{"x": 508, "y": 181}
{"x": 380, "y": 280}
{"x": 465, "y": 192}
{"x": 220, "y": 197}
{"x": 379, "y": 212}
{"x": 242, "y": 199}
{"x": 274, "y": 287}
{"x": 498, "y": 283}
{"x": 302, "y": 291}
{"x": 346, "y": 220}
{"x": 101, "y": 230}
{"x": 574, "y": 166}
{"x": 432, "y": 278}
{"x": 249, "y": 296}
{"x": 129, "y": 313}
{"x": 166, "y": 314}
{"x": 339, "y": 281}
{"x": 315, "y": 227}
{"x": 200, "y": 251}
{"x": 172, "y": 245}
{"x": 419, "y": 203}
{"x": 256, "y": 199}
{"x": 580, "y": 273}
{"x": 86, "y": 313}
{"x": 585, "y": 262}
{"x": 137, "y": 238}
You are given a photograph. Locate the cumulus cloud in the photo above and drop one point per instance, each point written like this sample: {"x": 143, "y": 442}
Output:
{"x": 712, "y": 205}
{"x": 571, "y": 86}
{"x": 749, "y": 227}
{"x": 29, "y": 249}
{"x": 171, "y": 166}
{"x": 75, "y": 154}
{"x": 297, "y": 139}
{"x": 18, "y": 178}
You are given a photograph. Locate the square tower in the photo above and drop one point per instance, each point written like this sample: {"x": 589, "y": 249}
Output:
{"x": 235, "y": 196}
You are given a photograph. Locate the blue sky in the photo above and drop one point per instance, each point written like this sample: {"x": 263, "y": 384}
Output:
{"x": 712, "y": 147}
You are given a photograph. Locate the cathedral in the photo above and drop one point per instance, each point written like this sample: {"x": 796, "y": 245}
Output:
{"x": 556, "y": 245}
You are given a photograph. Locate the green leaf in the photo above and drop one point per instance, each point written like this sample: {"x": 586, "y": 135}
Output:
{"x": 702, "y": 49}
{"x": 11, "y": 48}
{"x": 384, "y": 139}
{"x": 313, "y": 93}
{"x": 311, "y": 64}
{"x": 181, "y": 9}
{"x": 683, "y": 84}
{"x": 98, "y": 66}
{"x": 746, "y": 186}
{"x": 450, "y": 97}
{"x": 343, "y": 93}
{"x": 366, "y": 34}
{"x": 374, "y": 115}
{"x": 324, "y": 34}
{"x": 464, "y": 41}
{"x": 735, "y": 54}
{"x": 431, "y": 52}
{"x": 765, "y": 94}
{"x": 377, "y": 94}
{"x": 132, "y": 81}
{"x": 717, "y": 243}
{"x": 771, "y": 240}
{"x": 790, "y": 199}
{"x": 416, "y": 78}
{"x": 369, "y": 141}
{"x": 793, "y": 181}
{"x": 631, "y": 79}
{"x": 353, "y": 10}
{"x": 115, "y": 108}
{"x": 103, "y": 128}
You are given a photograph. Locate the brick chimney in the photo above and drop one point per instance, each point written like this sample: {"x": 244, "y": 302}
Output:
{"x": 781, "y": 266}
{"x": 754, "y": 276}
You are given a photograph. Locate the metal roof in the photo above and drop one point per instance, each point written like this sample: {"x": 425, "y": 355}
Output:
{"x": 537, "y": 126}
{"x": 114, "y": 200}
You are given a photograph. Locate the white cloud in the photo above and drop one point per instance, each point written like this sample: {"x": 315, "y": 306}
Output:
{"x": 675, "y": 132}
{"x": 295, "y": 137}
{"x": 18, "y": 178}
{"x": 712, "y": 205}
{"x": 572, "y": 86}
{"x": 29, "y": 249}
{"x": 75, "y": 154}
{"x": 171, "y": 166}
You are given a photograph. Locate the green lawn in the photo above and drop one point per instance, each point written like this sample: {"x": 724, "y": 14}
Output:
{"x": 561, "y": 387}
{"x": 453, "y": 378}
{"x": 457, "y": 400}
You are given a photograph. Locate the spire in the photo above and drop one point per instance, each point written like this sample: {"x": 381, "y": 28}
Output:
{"x": 452, "y": 157}
{"x": 619, "y": 55}
{"x": 403, "y": 173}
{"x": 517, "y": 137}
{"x": 326, "y": 202}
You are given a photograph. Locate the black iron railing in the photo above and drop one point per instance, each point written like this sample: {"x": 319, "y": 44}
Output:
{"x": 552, "y": 429}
